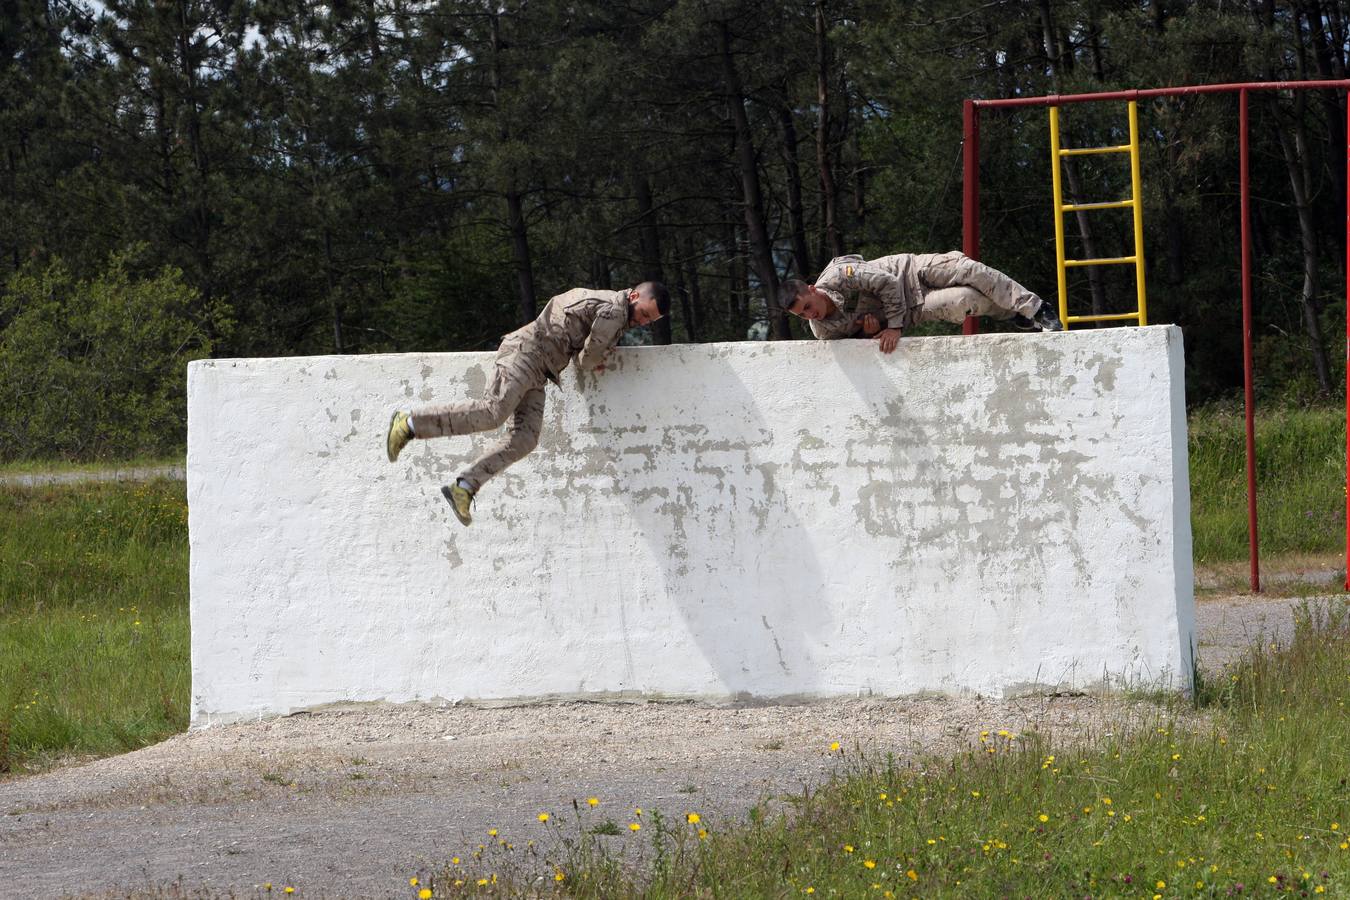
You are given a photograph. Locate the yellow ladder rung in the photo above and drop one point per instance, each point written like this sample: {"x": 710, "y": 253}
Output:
{"x": 1085, "y": 151}
{"x": 1114, "y": 317}
{"x": 1104, "y": 261}
{"x": 1109, "y": 204}
{"x": 1135, "y": 203}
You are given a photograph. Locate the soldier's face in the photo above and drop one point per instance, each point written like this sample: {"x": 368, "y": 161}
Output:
{"x": 642, "y": 310}
{"x": 812, "y": 303}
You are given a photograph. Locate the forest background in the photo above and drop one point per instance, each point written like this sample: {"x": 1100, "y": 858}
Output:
{"x": 265, "y": 178}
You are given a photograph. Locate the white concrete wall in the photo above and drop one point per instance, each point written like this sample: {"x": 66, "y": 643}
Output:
{"x": 990, "y": 514}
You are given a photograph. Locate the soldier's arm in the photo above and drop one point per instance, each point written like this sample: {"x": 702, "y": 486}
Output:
{"x": 609, "y": 322}
{"x": 887, "y": 288}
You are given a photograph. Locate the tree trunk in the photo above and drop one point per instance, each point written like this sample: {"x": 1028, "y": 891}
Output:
{"x": 520, "y": 253}
{"x": 832, "y": 238}
{"x": 859, "y": 180}
{"x": 1052, "y": 56}
{"x": 201, "y": 209}
{"x": 515, "y": 209}
{"x": 600, "y": 273}
{"x": 693, "y": 311}
{"x": 681, "y": 289}
{"x": 649, "y": 242}
{"x": 736, "y": 277}
{"x": 1295, "y": 155}
{"x": 761, "y": 251}
{"x": 788, "y": 128}
{"x": 333, "y": 303}
{"x": 1331, "y": 100}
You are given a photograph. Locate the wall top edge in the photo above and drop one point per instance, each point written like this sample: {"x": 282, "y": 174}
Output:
{"x": 1138, "y": 335}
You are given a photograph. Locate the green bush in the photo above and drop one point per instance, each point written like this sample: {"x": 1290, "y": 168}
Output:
{"x": 93, "y": 369}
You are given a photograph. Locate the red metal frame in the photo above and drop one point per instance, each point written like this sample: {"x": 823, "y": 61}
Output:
{"x": 1248, "y": 401}
{"x": 971, "y": 245}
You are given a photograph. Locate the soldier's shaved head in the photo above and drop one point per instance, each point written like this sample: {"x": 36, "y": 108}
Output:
{"x": 789, "y": 291}
{"x": 658, "y": 292}
{"x": 805, "y": 300}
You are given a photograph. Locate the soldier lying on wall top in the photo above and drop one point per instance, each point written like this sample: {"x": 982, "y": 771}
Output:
{"x": 881, "y": 297}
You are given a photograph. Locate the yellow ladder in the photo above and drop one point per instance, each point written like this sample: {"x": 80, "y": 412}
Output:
{"x": 1134, "y": 202}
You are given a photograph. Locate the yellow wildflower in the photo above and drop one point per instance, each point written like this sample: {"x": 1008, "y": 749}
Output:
{"x": 592, "y": 801}
{"x": 634, "y": 826}
{"x": 692, "y": 818}
{"x": 870, "y": 863}
{"x": 543, "y": 817}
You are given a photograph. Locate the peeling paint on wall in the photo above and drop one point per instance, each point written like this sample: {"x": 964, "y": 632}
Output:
{"x": 718, "y": 521}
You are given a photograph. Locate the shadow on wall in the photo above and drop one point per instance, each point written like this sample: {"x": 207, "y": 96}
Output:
{"x": 700, "y": 494}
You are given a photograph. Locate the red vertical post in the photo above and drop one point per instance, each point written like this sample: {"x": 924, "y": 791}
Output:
{"x": 1248, "y": 402}
{"x": 970, "y": 199}
{"x": 1347, "y": 342}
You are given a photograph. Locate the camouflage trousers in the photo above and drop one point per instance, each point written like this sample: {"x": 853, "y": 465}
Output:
{"x": 514, "y": 396}
{"x": 956, "y": 286}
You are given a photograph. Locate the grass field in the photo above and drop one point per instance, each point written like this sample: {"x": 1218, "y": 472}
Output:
{"x": 1246, "y": 796}
{"x": 1300, "y": 463}
{"x": 93, "y": 619}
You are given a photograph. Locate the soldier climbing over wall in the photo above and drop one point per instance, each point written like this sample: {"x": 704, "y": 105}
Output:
{"x": 880, "y": 298}
{"x": 583, "y": 324}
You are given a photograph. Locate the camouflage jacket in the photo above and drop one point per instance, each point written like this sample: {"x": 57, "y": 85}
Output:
{"x": 890, "y": 288}
{"x": 581, "y": 323}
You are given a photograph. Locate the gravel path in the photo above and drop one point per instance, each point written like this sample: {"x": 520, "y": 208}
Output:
{"x": 142, "y": 473}
{"x": 350, "y": 802}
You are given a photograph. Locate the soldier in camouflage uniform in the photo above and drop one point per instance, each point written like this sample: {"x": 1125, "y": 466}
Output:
{"x": 581, "y": 323}
{"x": 882, "y": 297}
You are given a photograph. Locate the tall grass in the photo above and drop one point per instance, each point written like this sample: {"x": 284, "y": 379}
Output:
{"x": 93, "y": 619}
{"x": 1246, "y": 797}
{"x": 1300, "y": 472}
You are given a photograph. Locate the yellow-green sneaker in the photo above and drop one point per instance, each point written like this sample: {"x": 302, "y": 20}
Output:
{"x": 399, "y": 435}
{"x": 461, "y": 498}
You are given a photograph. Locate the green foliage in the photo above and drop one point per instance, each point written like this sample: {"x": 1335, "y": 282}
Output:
{"x": 96, "y": 368}
{"x": 372, "y": 177}
{"x": 93, "y": 619}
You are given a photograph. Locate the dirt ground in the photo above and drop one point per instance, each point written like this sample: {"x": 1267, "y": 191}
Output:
{"x": 352, "y": 802}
